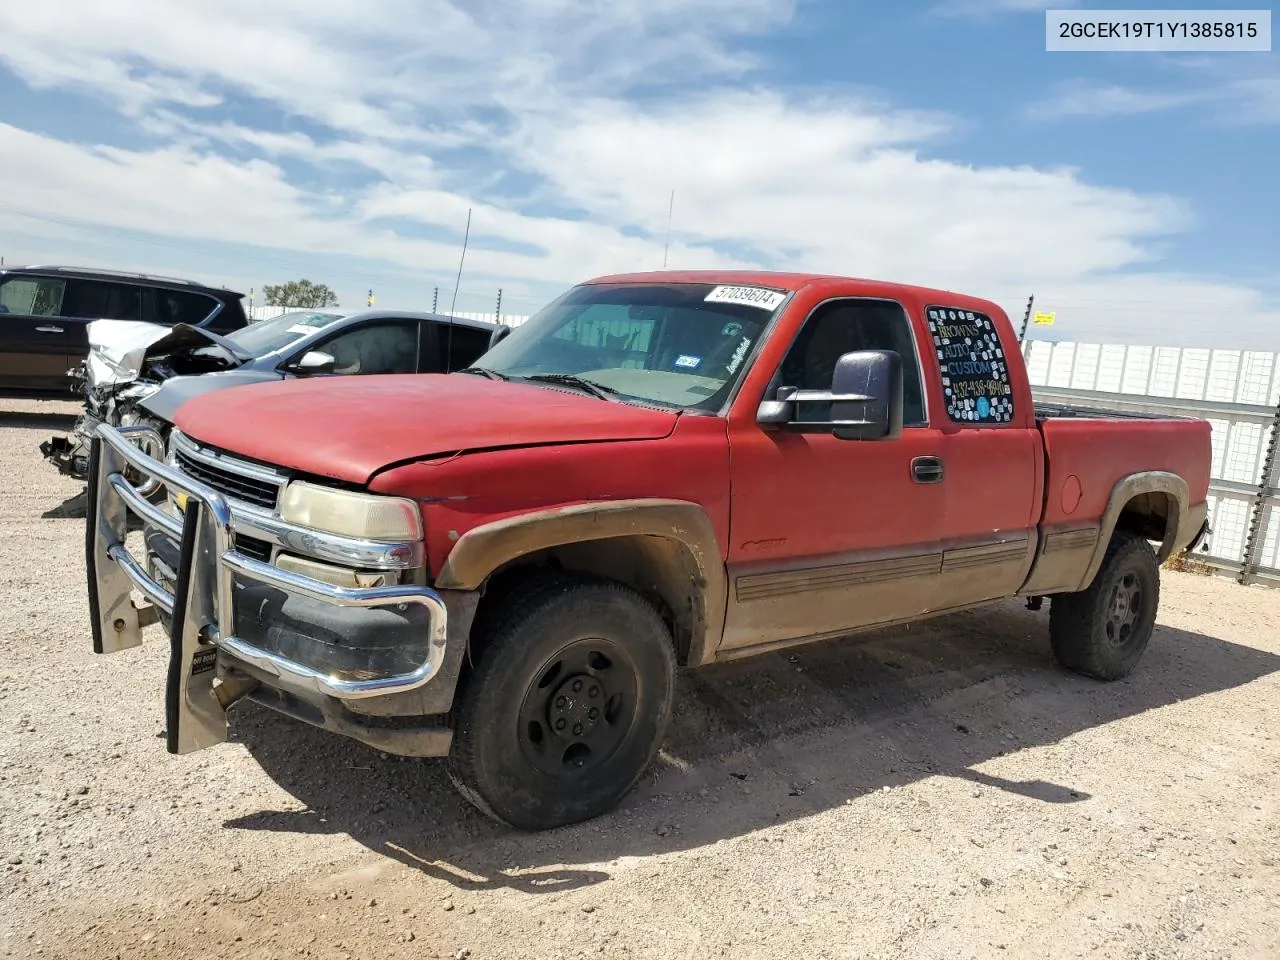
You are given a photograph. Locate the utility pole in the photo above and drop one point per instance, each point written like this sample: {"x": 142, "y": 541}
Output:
{"x": 1026, "y": 318}
{"x": 1256, "y": 535}
{"x": 498, "y": 312}
{"x": 435, "y": 299}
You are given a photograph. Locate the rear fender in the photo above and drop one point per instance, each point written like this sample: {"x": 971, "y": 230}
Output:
{"x": 1182, "y": 523}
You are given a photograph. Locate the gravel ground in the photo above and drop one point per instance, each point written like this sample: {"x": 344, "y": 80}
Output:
{"x": 943, "y": 791}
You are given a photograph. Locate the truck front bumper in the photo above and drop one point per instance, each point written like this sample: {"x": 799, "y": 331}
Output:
{"x": 378, "y": 664}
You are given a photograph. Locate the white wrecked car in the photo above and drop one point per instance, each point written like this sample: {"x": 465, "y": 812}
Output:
{"x": 138, "y": 374}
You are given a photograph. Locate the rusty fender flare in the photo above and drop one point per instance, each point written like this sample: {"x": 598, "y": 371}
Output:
{"x": 1184, "y": 519}
{"x": 484, "y": 549}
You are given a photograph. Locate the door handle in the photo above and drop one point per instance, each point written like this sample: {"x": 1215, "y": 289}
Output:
{"x": 49, "y": 329}
{"x": 927, "y": 470}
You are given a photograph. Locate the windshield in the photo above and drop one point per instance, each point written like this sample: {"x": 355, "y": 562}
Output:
{"x": 674, "y": 344}
{"x": 268, "y": 336}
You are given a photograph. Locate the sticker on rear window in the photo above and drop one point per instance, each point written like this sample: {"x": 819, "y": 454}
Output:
{"x": 761, "y": 297}
{"x": 975, "y": 374}
{"x": 688, "y": 362}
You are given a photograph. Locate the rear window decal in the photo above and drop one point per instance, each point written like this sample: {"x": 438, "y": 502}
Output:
{"x": 975, "y": 373}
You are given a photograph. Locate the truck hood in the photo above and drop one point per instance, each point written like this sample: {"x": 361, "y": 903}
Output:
{"x": 176, "y": 391}
{"x": 349, "y": 428}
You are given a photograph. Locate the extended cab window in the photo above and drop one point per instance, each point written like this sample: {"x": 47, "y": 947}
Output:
{"x": 462, "y": 346}
{"x": 975, "y": 373}
{"x": 845, "y": 326}
{"x": 681, "y": 345}
{"x": 32, "y": 296}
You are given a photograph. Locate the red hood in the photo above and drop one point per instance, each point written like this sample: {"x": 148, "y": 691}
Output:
{"x": 349, "y": 428}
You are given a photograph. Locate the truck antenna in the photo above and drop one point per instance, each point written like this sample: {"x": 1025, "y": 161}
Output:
{"x": 448, "y": 344}
{"x": 671, "y": 206}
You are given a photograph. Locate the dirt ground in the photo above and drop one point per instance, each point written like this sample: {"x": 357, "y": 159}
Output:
{"x": 943, "y": 791}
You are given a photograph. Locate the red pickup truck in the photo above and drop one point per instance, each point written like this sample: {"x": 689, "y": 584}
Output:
{"x": 507, "y": 564}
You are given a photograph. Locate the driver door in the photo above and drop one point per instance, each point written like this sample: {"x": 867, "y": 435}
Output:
{"x": 827, "y": 535}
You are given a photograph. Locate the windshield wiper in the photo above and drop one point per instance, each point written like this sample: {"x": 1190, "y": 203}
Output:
{"x": 484, "y": 372}
{"x": 571, "y": 380}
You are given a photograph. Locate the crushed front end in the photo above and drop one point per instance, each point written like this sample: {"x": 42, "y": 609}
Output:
{"x": 337, "y": 629}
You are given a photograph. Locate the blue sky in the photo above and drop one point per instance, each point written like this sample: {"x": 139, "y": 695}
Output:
{"x": 934, "y": 143}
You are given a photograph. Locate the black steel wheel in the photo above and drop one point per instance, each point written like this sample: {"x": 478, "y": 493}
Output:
{"x": 566, "y": 705}
{"x": 581, "y": 709}
{"x": 1103, "y": 630}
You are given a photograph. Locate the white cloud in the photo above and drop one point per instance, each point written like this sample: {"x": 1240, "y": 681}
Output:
{"x": 833, "y": 186}
{"x": 1087, "y": 98}
{"x": 564, "y": 127}
{"x": 1243, "y": 94}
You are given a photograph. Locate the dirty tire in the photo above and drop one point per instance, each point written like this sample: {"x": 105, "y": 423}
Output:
{"x": 567, "y": 703}
{"x": 1101, "y": 632}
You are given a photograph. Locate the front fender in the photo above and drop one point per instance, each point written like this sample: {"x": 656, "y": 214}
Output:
{"x": 487, "y": 548}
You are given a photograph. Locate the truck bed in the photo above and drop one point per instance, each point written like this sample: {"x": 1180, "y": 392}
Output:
{"x": 1098, "y": 449}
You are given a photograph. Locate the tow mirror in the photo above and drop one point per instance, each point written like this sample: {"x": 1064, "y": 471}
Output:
{"x": 864, "y": 402}
{"x": 314, "y": 361}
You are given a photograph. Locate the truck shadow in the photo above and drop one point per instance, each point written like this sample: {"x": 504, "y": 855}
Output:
{"x": 756, "y": 743}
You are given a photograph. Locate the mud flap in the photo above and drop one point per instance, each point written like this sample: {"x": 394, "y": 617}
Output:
{"x": 195, "y": 716}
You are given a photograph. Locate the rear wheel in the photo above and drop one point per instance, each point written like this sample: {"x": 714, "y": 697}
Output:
{"x": 1102, "y": 631}
{"x": 567, "y": 705}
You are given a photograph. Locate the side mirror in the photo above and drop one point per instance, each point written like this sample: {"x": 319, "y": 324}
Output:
{"x": 499, "y": 334}
{"x": 865, "y": 400}
{"x": 314, "y": 361}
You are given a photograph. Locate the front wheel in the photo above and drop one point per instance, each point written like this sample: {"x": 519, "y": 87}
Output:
{"x": 1102, "y": 631}
{"x": 567, "y": 705}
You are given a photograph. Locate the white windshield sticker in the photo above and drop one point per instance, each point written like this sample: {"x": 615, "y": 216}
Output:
{"x": 739, "y": 355}
{"x": 309, "y": 322}
{"x": 760, "y": 297}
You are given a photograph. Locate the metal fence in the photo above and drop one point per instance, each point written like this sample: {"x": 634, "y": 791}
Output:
{"x": 257, "y": 313}
{"x": 1238, "y": 392}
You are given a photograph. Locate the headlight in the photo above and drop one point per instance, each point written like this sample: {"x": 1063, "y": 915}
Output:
{"x": 139, "y": 391}
{"x": 361, "y": 515}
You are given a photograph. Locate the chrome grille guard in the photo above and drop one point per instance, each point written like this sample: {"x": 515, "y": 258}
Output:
{"x": 200, "y": 608}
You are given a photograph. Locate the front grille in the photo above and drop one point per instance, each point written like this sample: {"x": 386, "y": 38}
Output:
{"x": 253, "y": 547}
{"x": 262, "y": 493}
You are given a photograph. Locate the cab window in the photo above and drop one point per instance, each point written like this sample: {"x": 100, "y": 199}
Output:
{"x": 845, "y": 326}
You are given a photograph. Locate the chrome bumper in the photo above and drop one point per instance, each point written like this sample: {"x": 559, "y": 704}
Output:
{"x": 200, "y": 609}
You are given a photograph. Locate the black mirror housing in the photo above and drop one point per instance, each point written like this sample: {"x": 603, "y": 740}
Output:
{"x": 500, "y": 333}
{"x": 866, "y": 402}
{"x": 865, "y": 399}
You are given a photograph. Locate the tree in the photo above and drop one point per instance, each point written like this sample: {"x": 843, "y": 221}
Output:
{"x": 299, "y": 293}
